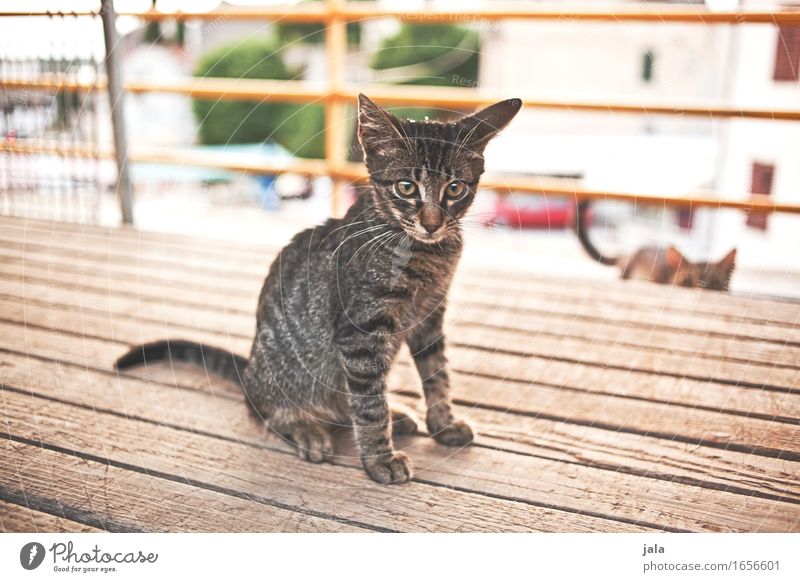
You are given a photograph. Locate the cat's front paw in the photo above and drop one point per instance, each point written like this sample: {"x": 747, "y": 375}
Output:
{"x": 456, "y": 434}
{"x": 394, "y": 468}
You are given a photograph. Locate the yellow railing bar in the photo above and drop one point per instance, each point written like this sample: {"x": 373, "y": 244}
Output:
{"x": 335, "y": 122}
{"x": 335, "y": 13}
{"x": 352, "y": 11}
{"x": 446, "y": 97}
{"x": 353, "y": 172}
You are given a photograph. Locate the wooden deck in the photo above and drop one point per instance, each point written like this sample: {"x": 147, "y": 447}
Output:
{"x": 600, "y": 406}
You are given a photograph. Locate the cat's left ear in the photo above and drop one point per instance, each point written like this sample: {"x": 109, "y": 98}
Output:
{"x": 483, "y": 125}
{"x": 380, "y": 133}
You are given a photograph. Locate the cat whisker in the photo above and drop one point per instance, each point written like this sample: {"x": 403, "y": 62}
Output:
{"x": 327, "y": 236}
{"x": 359, "y": 233}
{"x": 378, "y": 243}
{"x": 373, "y": 240}
{"x": 384, "y": 244}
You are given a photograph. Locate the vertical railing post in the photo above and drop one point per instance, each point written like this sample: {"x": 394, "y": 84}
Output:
{"x": 335, "y": 50}
{"x": 115, "y": 100}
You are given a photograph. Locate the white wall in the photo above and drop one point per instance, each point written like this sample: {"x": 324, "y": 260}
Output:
{"x": 603, "y": 61}
{"x": 772, "y": 142}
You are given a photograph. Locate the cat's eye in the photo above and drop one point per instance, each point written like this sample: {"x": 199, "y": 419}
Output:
{"x": 405, "y": 188}
{"x": 455, "y": 190}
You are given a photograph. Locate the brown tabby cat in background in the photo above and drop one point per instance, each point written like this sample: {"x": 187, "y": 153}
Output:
{"x": 664, "y": 265}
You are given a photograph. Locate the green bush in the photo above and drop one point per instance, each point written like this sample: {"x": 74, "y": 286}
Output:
{"x": 420, "y": 43}
{"x": 296, "y": 127}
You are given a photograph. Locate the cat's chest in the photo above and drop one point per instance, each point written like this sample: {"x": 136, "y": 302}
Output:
{"x": 428, "y": 280}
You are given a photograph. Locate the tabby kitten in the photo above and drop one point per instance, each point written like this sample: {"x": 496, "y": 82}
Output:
{"x": 660, "y": 264}
{"x": 341, "y": 298}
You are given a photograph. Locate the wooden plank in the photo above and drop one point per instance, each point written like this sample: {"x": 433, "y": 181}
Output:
{"x": 669, "y": 460}
{"x": 84, "y": 264}
{"x": 19, "y": 519}
{"x": 26, "y": 227}
{"x": 236, "y": 318}
{"x": 634, "y": 454}
{"x": 576, "y": 394}
{"x": 41, "y": 265}
{"x": 144, "y": 289}
{"x": 226, "y": 250}
{"x": 666, "y": 459}
{"x": 467, "y": 363}
{"x": 553, "y": 361}
{"x": 643, "y": 317}
{"x": 529, "y": 349}
{"x": 227, "y": 253}
{"x": 519, "y": 285}
{"x": 86, "y": 325}
{"x": 126, "y": 500}
{"x": 630, "y": 313}
{"x": 610, "y": 332}
{"x": 223, "y": 320}
{"x": 539, "y": 323}
{"x": 632, "y": 293}
{"x": 280, "y": 477}
{"x": 685, "y": 424}
{"x": 553, "y": 483}
{"x": 113, "y": 251}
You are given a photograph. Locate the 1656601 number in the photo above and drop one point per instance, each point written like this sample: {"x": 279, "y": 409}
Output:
{"x": 756, "y": 565}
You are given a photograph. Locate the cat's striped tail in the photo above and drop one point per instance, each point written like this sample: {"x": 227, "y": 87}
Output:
{"x": 216, "y": 360}
{"x": 583, "y": 235}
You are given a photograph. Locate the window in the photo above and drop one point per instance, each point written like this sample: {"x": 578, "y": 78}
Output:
{"x": 648, "y": 60}
{"x": 760, "y": 183}
{"x": 787, "y": 54}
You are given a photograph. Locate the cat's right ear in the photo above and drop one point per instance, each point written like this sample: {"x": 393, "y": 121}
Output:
{"x": 380, "y": 133}
{"x": 483, "y": 125}
{"x": 728, "y": 262}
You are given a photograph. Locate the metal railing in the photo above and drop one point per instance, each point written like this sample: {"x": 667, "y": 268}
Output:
{"x": 335, "y": 94}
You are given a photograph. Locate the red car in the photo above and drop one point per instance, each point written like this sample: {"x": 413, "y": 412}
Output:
{"x": 520, "y": 210}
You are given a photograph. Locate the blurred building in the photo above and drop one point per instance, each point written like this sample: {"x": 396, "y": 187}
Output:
{"x": 746, "y": 65}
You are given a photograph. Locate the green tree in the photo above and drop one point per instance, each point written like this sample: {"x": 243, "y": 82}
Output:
{"x": 298, "y": 128}
{"x": 429, "y": 54}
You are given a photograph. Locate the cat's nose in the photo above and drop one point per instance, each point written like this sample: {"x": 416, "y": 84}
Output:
{"x": 431, "y": 218}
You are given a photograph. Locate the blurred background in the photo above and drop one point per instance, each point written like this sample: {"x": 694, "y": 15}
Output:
{"x": 201, "y": 160}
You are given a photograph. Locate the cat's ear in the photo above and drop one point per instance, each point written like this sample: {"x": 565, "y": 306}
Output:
{"x": 477, "y": 129}
{"x": 674, "y": 258}
{"x": 379, "y": 132}
{"x": 728, "y": 262}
